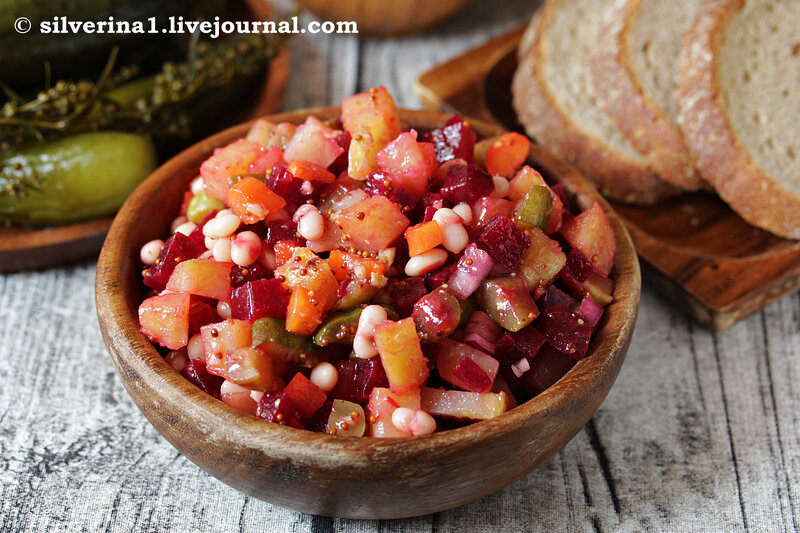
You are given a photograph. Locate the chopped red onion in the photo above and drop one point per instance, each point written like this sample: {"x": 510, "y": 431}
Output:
{"x": 471, "y": 270}
{"x": 590, "y": 310}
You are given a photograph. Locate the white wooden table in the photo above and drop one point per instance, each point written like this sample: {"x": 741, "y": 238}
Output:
{"x": 700, "y": 433}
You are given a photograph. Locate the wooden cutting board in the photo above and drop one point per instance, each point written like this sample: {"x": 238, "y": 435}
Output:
{"x": 697, "y": 252}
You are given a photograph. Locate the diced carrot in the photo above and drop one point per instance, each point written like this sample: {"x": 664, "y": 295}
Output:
{"x": 423, "y": 237}
{"x": 308, "y": 171}
{"x": 507, "y": 154}
{"x": 284, "y": 251}
{"x": 346, "y": 265}
{"x": 251, "y": 200}
{"x": 304, "y": 313}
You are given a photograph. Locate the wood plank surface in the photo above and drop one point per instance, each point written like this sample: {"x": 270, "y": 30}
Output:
{"x": 700, "y": 432}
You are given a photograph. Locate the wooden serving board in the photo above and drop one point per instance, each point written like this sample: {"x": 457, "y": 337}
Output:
{"x": 697, "y": 252}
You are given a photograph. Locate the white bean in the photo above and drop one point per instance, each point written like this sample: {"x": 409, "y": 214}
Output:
{"x": 422, "y": 423}
{"x": 464, "y": 211}
{"x": 446, "y": 216}
{"x": 364, "y": 341}
{"x": 267, "y": 258}
{"x": 245, "y": 248}
{"x": 224, "y": 310}
{"x": 256, "y": 395}
{"x": 311, "y": 225}
{"x": 186, "y": 228}
{"x": 402, "y": 417}
{"x": 150, "y": 251}
{"x": 221, "y": 226}
{"x": 324, "y": 376}
{"x": 500, "y": 187}
{"x": 387, "y": 255}
{"x": 196, "y": 349}
{"x": 455, "y": 237}
{"x": 177, "y": 359}
{"x": 209, "y": 242}
{"x": 222, "y": 250}
{"x": 177, "y": 222}
{"x": 229, "y": 387}
{"x": 208, "y": 254}
{"x": 426, "y": 262}
{"x": 197, "y": 185}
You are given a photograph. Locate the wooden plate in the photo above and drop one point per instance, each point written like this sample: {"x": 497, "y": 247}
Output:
{"x": 698, "y": 253}
{"x": 27, "y": 248}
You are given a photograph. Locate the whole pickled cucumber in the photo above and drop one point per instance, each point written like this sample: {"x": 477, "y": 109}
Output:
{"x": 76, "y": 178}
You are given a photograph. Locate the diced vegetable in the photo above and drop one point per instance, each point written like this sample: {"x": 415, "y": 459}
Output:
{"x": 372, "y": 224}
{"x": 507, "y": 154}
{"x": 203, "y": 278}
{"x": 253, "y": 201}
{"x": 372, "y": 120}
{"x": 165, "y": 319}
{"x": 508, "y": 302}
{"x": 401, "y": 354}
{"x": 461, "y": 404}
{"x": 423, "y": 237}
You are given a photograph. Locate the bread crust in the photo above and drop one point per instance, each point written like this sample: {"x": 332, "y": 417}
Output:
{"x": 723, "y": 160}
{"x": 642, "y": 121}
{"x": 615, "y": 175}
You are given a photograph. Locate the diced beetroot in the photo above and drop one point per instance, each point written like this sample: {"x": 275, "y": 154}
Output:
{"x": 405, "y": 198}
{"x": 319, "y": 422}
{"x": 487, "y": 208}
{"x": 555, "y": 296}
{"x": 281, "y": 230}
{"x": 471, "y": 375}
{"x": 242, "y": 274}
{"x": 342, "y": 138}
{"x": 559, "y": 191}
{"x": 466, "y": 183}
{"x": 357, "y": 378}
{"x": 590, "y": 310}
{"x": 450, "y": 355}
{"x": 547, "y": 368}
{"x": 453, "y": 140}
{"x": 592, "y": 234}
{"x": 515, "y": 345}
{"x": 378, "y": 184}
{"x": 577, "y": 269}
{"x": 178, "y": 248}
{"x": 471, "y": 269}
{"x": 280, "y": 408}
{"x": 195, "y": 371}
{"x": 200, "y": 314}
{"x": 566, "y": 331}
{"x": 505, "y": 242}
{"x": 284, "y": 184}
{"x": 307, "y": 396}
{"x": 434, "y": 280}
{"x": 409, "y": 291}
{"x": 258, "y": 299}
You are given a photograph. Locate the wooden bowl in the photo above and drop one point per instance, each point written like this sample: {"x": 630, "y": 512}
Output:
{"x": 322, "y": 474}
{"x": 383, "y": 18}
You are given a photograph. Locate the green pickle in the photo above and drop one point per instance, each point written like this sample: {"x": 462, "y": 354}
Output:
{"x": 346, "y": 419}
{"x": 201, "y": 205}
{"x": 77, "y": 178}
{"x": 534, "y": 209}
{"x": 340, "y": 328}
{"x": 506, "y": 299}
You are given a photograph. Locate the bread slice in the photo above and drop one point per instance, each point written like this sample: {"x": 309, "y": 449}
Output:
{"x": 634, "y": 70}
{"x": 554, "y": 99}
{"x": 739, "y": 72}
